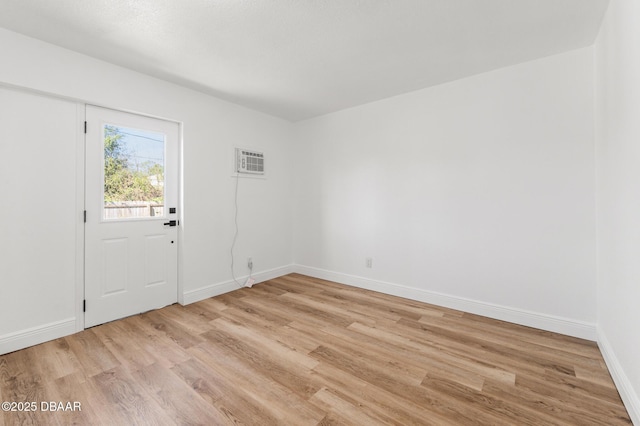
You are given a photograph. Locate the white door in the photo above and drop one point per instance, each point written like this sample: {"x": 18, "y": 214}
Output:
{"x": 131, "y": 249}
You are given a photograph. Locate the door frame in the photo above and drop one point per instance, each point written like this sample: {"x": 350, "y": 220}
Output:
{"x": 81, "y": 204}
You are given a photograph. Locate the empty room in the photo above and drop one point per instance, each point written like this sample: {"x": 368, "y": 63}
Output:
{"x": 320, "y": 212}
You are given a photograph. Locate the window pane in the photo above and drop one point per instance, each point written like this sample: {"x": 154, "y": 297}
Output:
{"x": 133, "y": 173}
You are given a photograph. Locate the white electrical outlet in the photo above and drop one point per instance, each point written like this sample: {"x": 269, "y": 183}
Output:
{"x": 368, "y": 262}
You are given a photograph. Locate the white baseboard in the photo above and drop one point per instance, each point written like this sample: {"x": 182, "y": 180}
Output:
{"x": 227, "y": 286}
{"x": 33, "y": 336}
{"x": 629, "y": 396}
{"x": 546, "y": 322}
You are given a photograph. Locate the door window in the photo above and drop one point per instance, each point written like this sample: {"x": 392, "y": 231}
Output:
{"x": 133, "y": 177}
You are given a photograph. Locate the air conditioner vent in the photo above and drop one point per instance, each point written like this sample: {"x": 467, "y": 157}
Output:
{"x": 250, "y": 162}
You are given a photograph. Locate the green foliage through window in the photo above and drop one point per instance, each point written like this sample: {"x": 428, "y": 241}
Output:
{"x": 124, "y": 179}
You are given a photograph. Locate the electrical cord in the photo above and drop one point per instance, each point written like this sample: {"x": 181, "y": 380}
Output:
{"x": 235, "y": 235}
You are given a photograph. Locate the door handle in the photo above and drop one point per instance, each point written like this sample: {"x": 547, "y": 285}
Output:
{"x": 171, "y": 223}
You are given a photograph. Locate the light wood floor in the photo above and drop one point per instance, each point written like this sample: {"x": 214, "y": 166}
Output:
{"x": 302, "y": 351}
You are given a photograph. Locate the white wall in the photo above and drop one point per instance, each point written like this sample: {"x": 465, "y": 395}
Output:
{"x": 39, "y": 218}
{"x": 618, "y": 172}
{"x": 477, "y": 194}
{"x": 211, "y": 128}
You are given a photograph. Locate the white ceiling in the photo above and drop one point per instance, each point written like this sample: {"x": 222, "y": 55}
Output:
{"x": 298, "y": 59}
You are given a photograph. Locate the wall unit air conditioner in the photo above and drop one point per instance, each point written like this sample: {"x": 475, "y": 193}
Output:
{"x": 249, "y": 162}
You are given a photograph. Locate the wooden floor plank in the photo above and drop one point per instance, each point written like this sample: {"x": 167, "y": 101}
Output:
{"x": 66, "y": 389}
{"x": 128, "y": 399}
{"x": 412, "y": 339}
{"x": 155, "y": 342}
{"x": 334, "y": 403}
{"x": 379, "y": 399}
{"x": 22, "y": 383}
{"x": 180, "y": 401}
{"x": 123, "y": 346}
{"x": 91, "y": 352}
{"x": 302, "y": 350}
{"x": 279, "y": 369}
{"x": 270, "y": 400}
